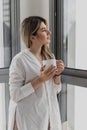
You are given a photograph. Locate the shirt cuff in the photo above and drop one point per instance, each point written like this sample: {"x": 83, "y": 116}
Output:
{"x": 27, "y": 89}
{"x": 58, "y": 88}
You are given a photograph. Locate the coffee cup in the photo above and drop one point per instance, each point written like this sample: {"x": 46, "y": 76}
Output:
{"x": 49, "y": 62}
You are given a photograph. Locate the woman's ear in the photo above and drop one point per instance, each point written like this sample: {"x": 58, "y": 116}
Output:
{"x": 32, "y": 37}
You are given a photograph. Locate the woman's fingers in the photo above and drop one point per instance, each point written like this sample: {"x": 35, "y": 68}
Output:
{"x": 60, "y": 67}
{"x": 60, "y": 63}
{"x": 51, "y": 71}
{"x": 47, "y": 73}
{"x": 42, "y": 68}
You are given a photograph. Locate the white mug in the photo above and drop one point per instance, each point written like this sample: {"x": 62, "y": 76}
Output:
{"x": 49, "y": 62}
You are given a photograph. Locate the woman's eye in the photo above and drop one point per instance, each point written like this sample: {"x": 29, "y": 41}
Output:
{"x": 44, "y": 30}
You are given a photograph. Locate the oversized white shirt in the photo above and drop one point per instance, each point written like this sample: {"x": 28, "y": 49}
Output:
{"x": 34, "y": 108}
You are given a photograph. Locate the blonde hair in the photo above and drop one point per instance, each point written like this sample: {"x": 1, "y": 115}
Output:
{"x": 29, "y": 27}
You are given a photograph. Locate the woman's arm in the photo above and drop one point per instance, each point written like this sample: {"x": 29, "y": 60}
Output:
{"x": 18, "y": 88}
{"x": 57, "y": 79}
{"x": 45, "y": 75}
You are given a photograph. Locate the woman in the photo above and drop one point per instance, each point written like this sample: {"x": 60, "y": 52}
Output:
{"x": 34, "y": 87}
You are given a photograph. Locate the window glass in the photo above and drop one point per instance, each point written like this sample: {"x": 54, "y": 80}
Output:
{"x": 75, "y": 30}
{"x": 5, "y": 33}
{"x": 76, "y": 108}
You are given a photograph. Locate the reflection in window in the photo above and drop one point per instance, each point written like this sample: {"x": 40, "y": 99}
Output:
{"x": 5, "y": 33}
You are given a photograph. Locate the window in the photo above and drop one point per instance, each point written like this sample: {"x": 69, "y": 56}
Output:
{"x": 5, "y": 39}
{"x": 9, "y": 46}
{"x": 75, "y": 33}
{"x": 70, "y": 46}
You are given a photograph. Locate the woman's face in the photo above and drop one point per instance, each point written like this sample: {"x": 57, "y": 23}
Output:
{"x": 43, "y": 34}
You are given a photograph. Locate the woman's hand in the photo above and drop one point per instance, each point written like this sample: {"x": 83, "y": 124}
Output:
{"x": 60, "y": 67}
{"x": 47, "y": 73}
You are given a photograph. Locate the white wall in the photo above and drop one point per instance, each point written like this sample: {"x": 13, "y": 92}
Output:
{"x": 34, "y": 7}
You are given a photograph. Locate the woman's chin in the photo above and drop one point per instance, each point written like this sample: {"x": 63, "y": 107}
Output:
{"x": 48, "y": 41}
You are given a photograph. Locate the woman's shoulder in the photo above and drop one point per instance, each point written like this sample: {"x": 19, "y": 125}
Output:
{"x": 19, "y": 55}
{"x": 17, "y": 64}
{"x": 18, "y": 58}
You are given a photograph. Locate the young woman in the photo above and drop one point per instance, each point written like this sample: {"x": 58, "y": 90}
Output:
{"x": 34, "y": 87}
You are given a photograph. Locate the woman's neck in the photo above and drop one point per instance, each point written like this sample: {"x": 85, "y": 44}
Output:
{"x": 37, "y": 53}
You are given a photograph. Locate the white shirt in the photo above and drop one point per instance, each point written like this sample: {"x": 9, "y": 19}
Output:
{"x": 34, "y": 108}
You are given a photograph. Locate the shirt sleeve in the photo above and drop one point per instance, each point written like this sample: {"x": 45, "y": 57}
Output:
{"x": 18, "y": 89}
{"x": 57, "y": 87}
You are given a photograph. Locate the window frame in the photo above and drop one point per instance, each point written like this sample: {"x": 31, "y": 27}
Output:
{"x": 77, "y": 77}
{"x": 15, "y": 48}
{"x": 15, "y": 38}
{"x": 78, "y": 73}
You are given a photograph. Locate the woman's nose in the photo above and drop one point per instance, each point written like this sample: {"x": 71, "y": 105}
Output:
{"x": 49, "y": 32}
